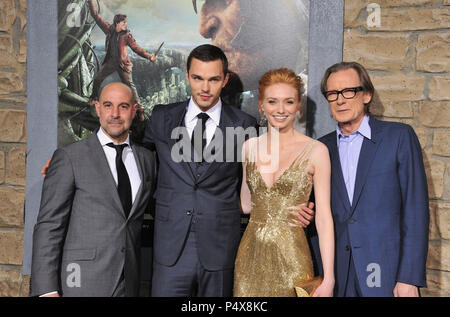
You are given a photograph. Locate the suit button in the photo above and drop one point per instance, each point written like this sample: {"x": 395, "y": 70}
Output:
{"x": 122, "y": 250}
{"x": 351, "y": 220}
{"x": 347, "y": 248}
{"x": 189, "y": 212}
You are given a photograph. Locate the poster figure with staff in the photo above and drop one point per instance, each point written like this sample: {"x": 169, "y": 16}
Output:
{"x": 118, "y": 39}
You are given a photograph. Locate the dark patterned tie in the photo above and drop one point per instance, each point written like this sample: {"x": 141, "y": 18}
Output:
{"x": 198, "y": 132}
{"x": 123, "y": 181}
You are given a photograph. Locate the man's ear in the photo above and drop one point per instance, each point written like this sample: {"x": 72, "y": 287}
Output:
{"x": 135, "y": 108}
{"x": 97, "y": 107}
{"x": 367, "y": 97}
{"x": 225, "y": 81}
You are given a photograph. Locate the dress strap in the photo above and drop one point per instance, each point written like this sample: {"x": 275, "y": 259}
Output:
{"x": 252, "y": 150}
{"x": 305, "y": 153}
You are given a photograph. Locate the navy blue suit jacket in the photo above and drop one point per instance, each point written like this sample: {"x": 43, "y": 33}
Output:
{"x": 385, "y": 227}
{"x": 211, "y": 199}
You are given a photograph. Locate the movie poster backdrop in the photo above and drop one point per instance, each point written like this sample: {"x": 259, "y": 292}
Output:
{"x": 256, "y": 35}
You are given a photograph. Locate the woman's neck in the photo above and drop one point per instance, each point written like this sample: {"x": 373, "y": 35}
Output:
{"x": 284, "y": 136}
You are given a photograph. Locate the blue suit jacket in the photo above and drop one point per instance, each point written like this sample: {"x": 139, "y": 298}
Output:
{"x": 212, "y": 199}
{"x": 385, "y": 227}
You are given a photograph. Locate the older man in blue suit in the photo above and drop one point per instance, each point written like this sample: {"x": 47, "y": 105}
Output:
{"x": 379, "y": 193}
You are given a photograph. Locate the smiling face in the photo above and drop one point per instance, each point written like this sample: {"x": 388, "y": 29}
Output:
{"x": 116, "y": 111}
{"x": 280, "y": 104}
{"x": 206, "y": 80}
{"x": 349, "y": 113}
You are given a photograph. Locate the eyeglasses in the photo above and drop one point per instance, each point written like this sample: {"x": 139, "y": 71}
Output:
{"x": 347, "y": 93}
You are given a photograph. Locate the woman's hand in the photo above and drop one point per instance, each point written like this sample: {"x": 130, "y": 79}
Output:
{"x": 325, "y": 289}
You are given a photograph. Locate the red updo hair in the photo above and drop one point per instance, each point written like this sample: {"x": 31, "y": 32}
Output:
{"x": 280, "y": 76}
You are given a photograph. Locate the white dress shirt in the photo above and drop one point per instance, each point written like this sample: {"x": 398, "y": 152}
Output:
{"x": 190, "y": 119}
{"x": 128, "y": 160}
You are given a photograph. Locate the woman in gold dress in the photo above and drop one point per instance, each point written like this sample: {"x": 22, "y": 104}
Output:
{"x": 279, "y": 169}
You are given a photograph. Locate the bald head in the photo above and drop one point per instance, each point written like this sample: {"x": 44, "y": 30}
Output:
{"x": 116, "y": 110}
{"x": 117, "y": 85}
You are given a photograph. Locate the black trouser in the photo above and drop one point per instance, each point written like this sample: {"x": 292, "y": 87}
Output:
{"x": 189, "y": 278}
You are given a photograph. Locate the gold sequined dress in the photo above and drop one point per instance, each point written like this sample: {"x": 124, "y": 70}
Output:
{"x": 273, "y": 256}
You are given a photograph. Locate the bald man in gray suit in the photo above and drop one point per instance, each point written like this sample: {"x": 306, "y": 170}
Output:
{"x": 87, "y": 237}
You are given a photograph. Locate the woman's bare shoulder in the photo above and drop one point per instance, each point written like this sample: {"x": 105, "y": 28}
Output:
{"x": 319, "y": 151}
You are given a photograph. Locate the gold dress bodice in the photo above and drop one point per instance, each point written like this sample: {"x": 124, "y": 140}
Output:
{"x": 274, "y": 255}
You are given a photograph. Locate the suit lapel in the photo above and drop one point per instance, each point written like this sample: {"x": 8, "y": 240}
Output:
{"x": 101, "y": 163}
{"x": 174, "y": 119}
{"x": 139, "y": 163}
{"x": 366, "y": 156}
{"x": 336, "y": 171}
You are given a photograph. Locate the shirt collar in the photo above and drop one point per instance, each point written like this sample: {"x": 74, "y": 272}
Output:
{"x": 364, "y": 129}
{"x": 214, "y": 113}
{"x": 105, "y": 139}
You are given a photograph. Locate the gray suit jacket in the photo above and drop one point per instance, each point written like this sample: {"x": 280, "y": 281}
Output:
{"x": 82, "y": 241}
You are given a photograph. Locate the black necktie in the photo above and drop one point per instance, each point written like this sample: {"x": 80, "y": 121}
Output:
{"x": 198, "y": 132}
{"x": 124, "y": 186}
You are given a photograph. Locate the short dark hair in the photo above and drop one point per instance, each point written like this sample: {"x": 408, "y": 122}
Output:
{"x": 364, "y": 79}
{"x": 119, "y": 18}
{"x": 208, "y": 53}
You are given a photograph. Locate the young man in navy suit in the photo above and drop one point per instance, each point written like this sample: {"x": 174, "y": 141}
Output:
{"x": 197, "y": 217}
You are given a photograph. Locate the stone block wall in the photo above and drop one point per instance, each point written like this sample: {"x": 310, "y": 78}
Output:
{"x": 408, "y": 59}
{"x": 13, "y": 115}
{"x": 407, "y": 51}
